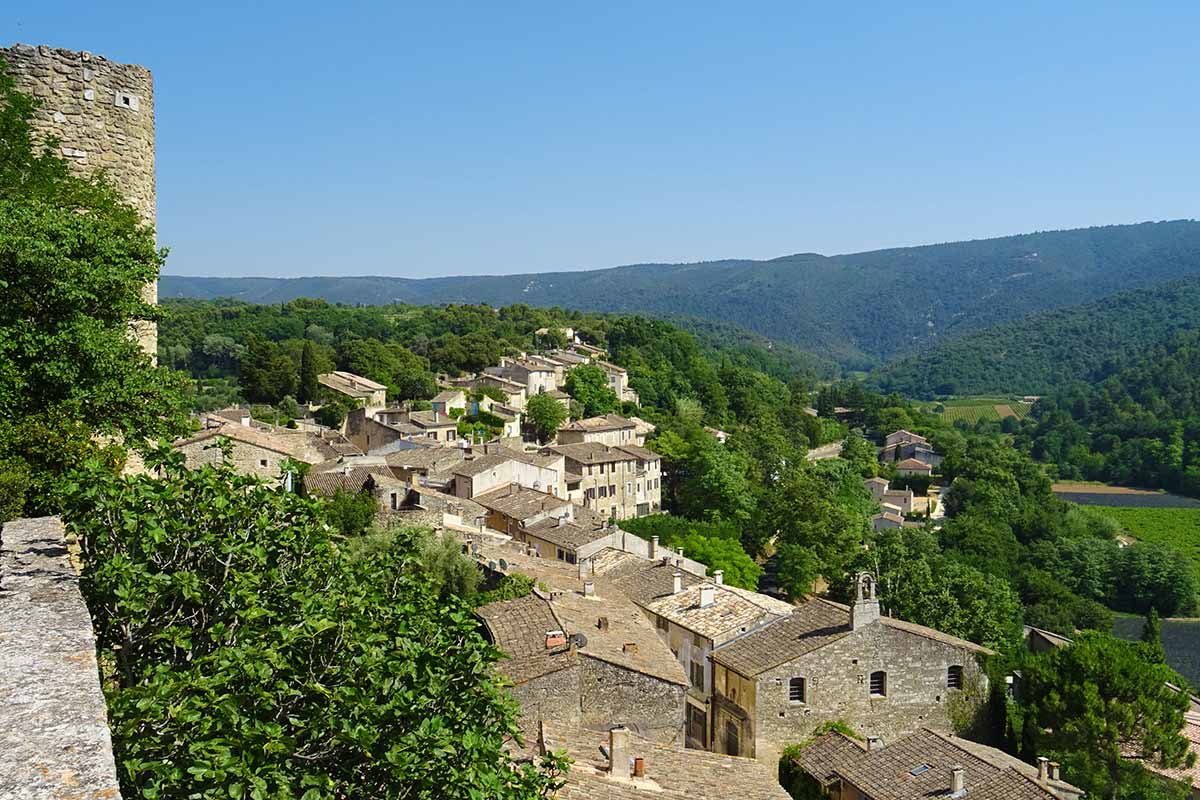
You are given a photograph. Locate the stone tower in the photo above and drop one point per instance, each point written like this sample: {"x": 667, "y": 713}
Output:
{"x": 102, "y": 114}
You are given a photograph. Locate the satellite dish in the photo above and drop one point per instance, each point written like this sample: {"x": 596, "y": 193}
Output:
{"x": 580, "y": 640}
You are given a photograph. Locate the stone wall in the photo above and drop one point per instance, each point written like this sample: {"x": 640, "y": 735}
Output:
{"x": 553, "y": 696}
{"x": 102, "y": 114}
{"x": 611, "y": 694}
{"x": 247, "y": 459}
{"x": 837, "y": 677}
{"x": 54, "y": 738}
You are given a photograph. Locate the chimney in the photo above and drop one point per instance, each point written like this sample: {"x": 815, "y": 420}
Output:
{"x": 639, "y": 767}
{"x": 708, "y": 595}
{"x": 1043, "y": 769}
{"x": 555, "y": 639}
{"x": 602, "y": 624}
{"x": 618, "y": 752}
{"x": 589, "y": 588}
{"x": 653, "y": 547}
{"x": 719, "y": 576}
{"x": 678, "y": 586}
{"x": 866, "y": 605}
{"x": 246, "y": 419}
{"x": 629, "y": 648}
{"x": 874, "y": 743}
{"x": 1053, "y": 770}
{"x": 958, "y": 780}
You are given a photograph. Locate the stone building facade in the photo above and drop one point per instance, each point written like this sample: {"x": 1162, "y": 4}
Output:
{"x": 102, "y": 114}
{"x": 884, "y": 677}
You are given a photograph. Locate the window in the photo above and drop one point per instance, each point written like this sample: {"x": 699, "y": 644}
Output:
{"x": 450, "y": 436}
{"x": 601, "y": 469}
{"x": 796, "y": 690}
{"x": 662, "y": 624}
{"x": 628, "y": 488}
{"x": 395, "y": 502}
{"x": 954, "y": 677}
{"x": 559, "y": 554}
{"x": 604, "y": 491}
{"x": 732, "y": 745}
{"x": 697, "y": 675}
{"x": 697, "y": 641}
{"x": 879, "y": 684}
{"x": 262, "y": 462}
{"x": 612, "y": 490}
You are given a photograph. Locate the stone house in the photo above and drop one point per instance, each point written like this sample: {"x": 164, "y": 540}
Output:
{"x": 361, "y": 391}
{"x": 355, "y": 475}
{"x": 512, "y": 506}
{"x": 884, "y": 677}
{"x": 444, "y": 401}
{"x": 902, "y": 445}
{"x": 695, "y": 616}
{"x": 260, "y": 451}
{"x": 611, "y": 674}
{"x": 877, "y": 487}
{"x": 617, "y": 764}
{"x": 536, "y": 377}
{"x": 886, "y": 520}
{"x": 610, "y": 429}
{"x": 588, "y": 351}
{"x": 927, "y": 764}
{"x": 493, "y": 466}
{"x": 618, "y": 381}
{"x": 912, "y": 466}
{"x": 619, "y": 482}
{"x": 514, "y": 391}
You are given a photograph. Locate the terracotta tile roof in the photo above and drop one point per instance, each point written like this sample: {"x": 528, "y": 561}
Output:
{"x": 1189, "y": 776}
{"x": 495, "y": 455}
{"x": 351, "y": 481}
{"x": 912, "y": 463}
{"x": 350, "y": 384}
{"x": 733, "y": 610}
{"x": 519, "y": 503}
{"x": 672, "y": 772}
{"x": 518, "y": 628}
{"x": 918, "y": 767}
{"x": 434, "y": 459}
{"x": 822, "y": 757}
{"x": 608, "y": 422}
{"x": 446, "y": 396}
{"x": 432, "y": 419}
{"x": 597, "y": 453}
{"x": 308, "y": 448}
{"x": 811, "y": 625}
{"x": 571, "y": 534}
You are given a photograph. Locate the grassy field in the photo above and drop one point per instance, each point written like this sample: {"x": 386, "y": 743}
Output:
{"x": 976, "y": 408}
{"x": 1179, "y": 527}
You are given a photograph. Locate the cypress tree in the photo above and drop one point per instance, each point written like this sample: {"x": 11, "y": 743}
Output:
{"x": 309, "y": 386}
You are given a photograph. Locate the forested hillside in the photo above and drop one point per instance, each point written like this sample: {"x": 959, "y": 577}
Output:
{"x": 1139, "y": 426}
{"x": 859, "y": 308}
{"x": 245, "y": 352}
{"x": 1038, "y": 353}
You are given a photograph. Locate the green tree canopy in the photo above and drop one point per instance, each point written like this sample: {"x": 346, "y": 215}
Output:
{"x": 588, "y": 385}
{"x": 253, "y": 655}
{"x": 544, "y": 415}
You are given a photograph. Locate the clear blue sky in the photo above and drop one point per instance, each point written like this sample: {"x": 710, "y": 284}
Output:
{"x": 318, "y": 138}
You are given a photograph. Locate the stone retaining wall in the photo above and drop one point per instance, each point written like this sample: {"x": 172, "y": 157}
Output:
{"x": 54, "y": 738}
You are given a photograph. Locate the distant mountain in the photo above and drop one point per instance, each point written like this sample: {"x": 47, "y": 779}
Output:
{"x": 859, "y": 309}
{"x": 1038, "y": 353}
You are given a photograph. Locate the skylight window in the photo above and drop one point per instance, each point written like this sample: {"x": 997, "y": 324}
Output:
{"x": 920, "y": 769}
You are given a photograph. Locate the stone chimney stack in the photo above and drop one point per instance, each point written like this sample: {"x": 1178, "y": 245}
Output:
{"x": 1053, "y": 770}
{"x": 866, "y": 605}
{"x": 1043, "y": 769}
{"x": 589, "y": 588}
{"x": 874, "y": 743}
{"x": 958, "y": 781}
{"x": 678, "y": 585}
{"x": 708, "y": 595}
{"x": 618, "y": 752}
{"x": 653, "y": 547}
{"x": 719, "y": 576}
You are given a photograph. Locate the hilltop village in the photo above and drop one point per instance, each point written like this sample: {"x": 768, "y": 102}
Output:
{"x": 326, "y": 551}
{"x": 622, "y": 640}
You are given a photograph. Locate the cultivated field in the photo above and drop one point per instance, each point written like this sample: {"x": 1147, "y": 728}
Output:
{"x": 1178, "y": 527}
{"x": 973, "y": 409}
